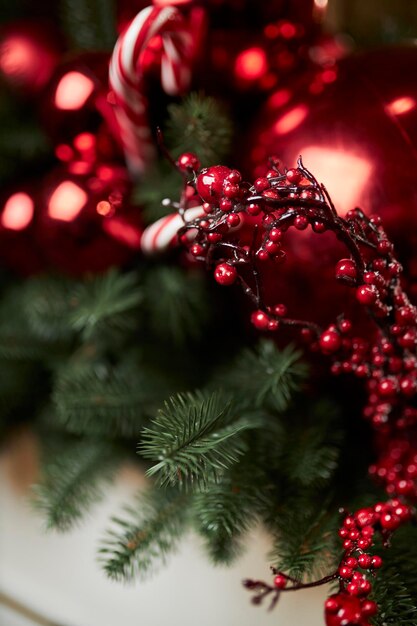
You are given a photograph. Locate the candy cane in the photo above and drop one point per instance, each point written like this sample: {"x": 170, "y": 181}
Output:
{"x": 180, "y": 36}
{"x": 163, "y": 233}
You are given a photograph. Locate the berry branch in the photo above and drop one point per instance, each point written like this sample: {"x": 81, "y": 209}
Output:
{"x": 384, "y": 359}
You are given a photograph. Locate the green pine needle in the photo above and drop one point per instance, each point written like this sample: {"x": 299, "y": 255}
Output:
{"x": 141, "y": 541}
{"x": 73, "y": 480}
{"x": 199, "y": 125}
{"x": 90, "y": 24}
{"x": 105, "y": 304}
{"x": 269, "y": 376}
{"x": 194, "y": 439}
{"x": 99, "y": 399}
{"x": 177, "y": 304}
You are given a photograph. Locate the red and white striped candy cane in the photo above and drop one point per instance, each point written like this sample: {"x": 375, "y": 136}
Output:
{"x": 162, "y": 234}
{"x": 180, "y": 35}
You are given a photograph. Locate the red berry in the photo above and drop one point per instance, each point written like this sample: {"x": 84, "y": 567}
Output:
{"x": 260, "y": 320}
{"x": 301, "y": 222}
{"x": 210, "y": 182}
{"x": 280, "y": 310}
{"x": 253, "y": 209}
{"x": 390, "y": 521}
{"x": 233, "y": 220}
{"x": 188, "y": 162}
{"x": 369, "y": 608}
{"x": 275, "y": 234}
{"x": 225, "y": 274}
{"x": 345, "y": 572}
{"x": 234, "y": 177}
{"x": 387, "y": 387}
{"x": 261, "y": 184}
{"x": 214, "y": 237}
{"x": 271, "y": 247}
{"x": 262, "y": 255}
{"x": 346, "y": 270}
{"x": 294, "y": 176}
{"x": 230, "y": 190}
{"x": 367, "y": 294}
{"x": 280, "y": 582}
{"x": 225, "y": 205}
{"x": 197, "y": 250}
{"x": 330, "y": 341}
{"x": 364, "y": 560}
{"x": 376, "y": 562}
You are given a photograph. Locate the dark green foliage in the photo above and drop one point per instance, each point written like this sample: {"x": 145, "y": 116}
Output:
{"x": 225, "y": 512}
{"x": 205, "y": 129}
{"x": 194, "y": 439}
{"x": 306, "y": 540}
{"x": 162, "y": 182}
{"x": 74, "y": 477}
{"x": 90, "y": 24}
{"x": 177, "y": 304}
{"x": 144, "y": 537}
{"x": 268, "y": 376}
{"x": 99, "y": 398}
{"x": 395, "y": 587}
{"x": 105, "y": 305}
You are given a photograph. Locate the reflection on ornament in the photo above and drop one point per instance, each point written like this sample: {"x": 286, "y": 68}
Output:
{"x": 26, "y": 60}
{"x": 336, "y": 167}
{"x": 251, "y": 64}
{"x": 399, "y": 106}
{"x": 17, "y": 212}
{"x": 73, "y": 91}
{"x": 290, "y": 120}
{"x": 122, "y": 231}
{"x": 66, "y": 201}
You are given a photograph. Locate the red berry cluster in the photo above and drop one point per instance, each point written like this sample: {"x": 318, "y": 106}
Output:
{"x": 386, "y": 359}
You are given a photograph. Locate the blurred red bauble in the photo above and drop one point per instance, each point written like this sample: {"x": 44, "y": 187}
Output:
{"x": 77, "y": 100}
{"x": 84, "y": 220}
{"x": 29, "y": 54}
{"x": 355, "y": 125}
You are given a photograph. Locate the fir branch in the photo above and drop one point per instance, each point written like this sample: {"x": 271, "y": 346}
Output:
{"x": 226, "y": 511}
{"x": 177, "y": 304}
{"x": 160, "y": 183}
{"x": 194, "y": 439}
{"x": 99, "y": 399}
{"x": 142, "y": 540}
{"x": 90, "y": 24}
{"x": 305, "y": 545}
{"x": 395, "y": 586}
{"x": 200, "y": 125}
{"x": 105, "y": 304}
{"x": 268, "y": 376}
{"x": 46, "y": 302}
{"x": 72, "y": 481}
{"x": 310, "y": 456}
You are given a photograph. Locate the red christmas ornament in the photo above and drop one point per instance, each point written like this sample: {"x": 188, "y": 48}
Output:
{"x": 29, "y": 53}
{"x": 84, "y": 221}
{"x": 210, "y": 182}
{"x": 355, "y": 124}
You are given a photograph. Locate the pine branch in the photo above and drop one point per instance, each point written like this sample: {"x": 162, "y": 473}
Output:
{"x": 313, "y": 443}
{"x": 99, "y": 399}
{"x": 73, "y": 480}
{"x": 227, "y": 510}
{"x": 142, "y": 540}
{"x": 395, "y": 587}
{"x": 160, "y": 183}
{"x": 199, "y": 124}
{"x": 90, "y": 24}
{"x": 268, "y": 376}
{"x": 194, "y": 439}
{"x": 47, "y": 301}
{"x": 177, "y": 304}
{"x": 105, "y": 304}
{"x": 306, "y": 543}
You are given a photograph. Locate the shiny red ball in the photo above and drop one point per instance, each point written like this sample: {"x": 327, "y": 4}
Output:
{"x": 210, "y": 182}
{"x": 225, "y": 274}
{"x": 330, "y": 341}
{"x": 346, "y": 270}
{"x": 188, "y": 161}
{"x": 367, "y": 294}
{"x": 260, "y": 320}
{"x": 342, "y": 609}
{"x": 280, "y": 582}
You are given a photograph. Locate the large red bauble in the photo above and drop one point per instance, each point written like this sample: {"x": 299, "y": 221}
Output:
{"x": 355, "y": 126}
{"x": 84, "y": 221}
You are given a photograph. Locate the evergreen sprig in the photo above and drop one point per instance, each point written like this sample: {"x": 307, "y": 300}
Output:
{"x": 97, "y": 398}
{"x": 176, "y": 303}
{"x": 141, "y": 541}
{"x": 205, "y": 129}
{"x": 106, "y": 304}
{"x": 90, "y": 24}
{"x": 73, "y": 479}
{"x": 194, "y": 439}
{"x": 269, "y": 376}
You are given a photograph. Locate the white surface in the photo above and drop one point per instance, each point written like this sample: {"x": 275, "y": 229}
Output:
{"x": 58, "y": 575}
